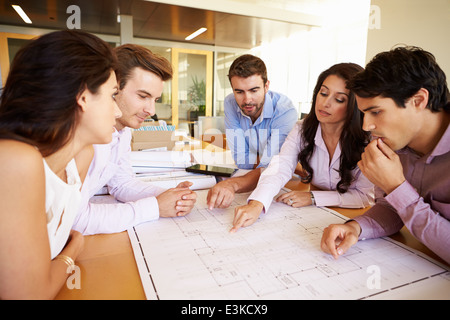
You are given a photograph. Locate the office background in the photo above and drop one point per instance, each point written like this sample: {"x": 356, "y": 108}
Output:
{"x": 296, "y": 38}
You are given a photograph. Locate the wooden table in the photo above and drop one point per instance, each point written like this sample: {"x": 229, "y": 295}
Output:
{"x": 109, "y": 271}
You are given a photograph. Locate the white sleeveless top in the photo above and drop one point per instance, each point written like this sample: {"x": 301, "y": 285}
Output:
{"x": 61, "y": 205}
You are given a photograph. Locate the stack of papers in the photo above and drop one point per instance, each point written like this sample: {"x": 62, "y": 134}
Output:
{"x": 171, "y": 179}
{"x": 159, "y": 161}
{"x": 166, "y": 169}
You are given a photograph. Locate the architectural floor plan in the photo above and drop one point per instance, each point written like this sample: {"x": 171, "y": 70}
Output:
{"x": 278, "y": 257}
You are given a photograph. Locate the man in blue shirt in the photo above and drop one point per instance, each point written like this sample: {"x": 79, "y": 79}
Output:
{"x": 257, "y": 122}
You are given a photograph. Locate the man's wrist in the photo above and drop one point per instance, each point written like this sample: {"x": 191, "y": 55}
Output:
{"x": 389, "y": 190}
{"x": 355, "y": 225}
{"x": 256, "y": 204}
{"x": 233, "y": 183}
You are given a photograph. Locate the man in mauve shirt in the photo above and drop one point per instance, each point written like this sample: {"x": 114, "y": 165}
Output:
{"x": 406, "y": 104}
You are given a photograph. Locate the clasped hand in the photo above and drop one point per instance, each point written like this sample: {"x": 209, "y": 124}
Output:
{"x": 176, "y": 202}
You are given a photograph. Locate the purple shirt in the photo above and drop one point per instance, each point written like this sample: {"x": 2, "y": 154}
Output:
{"x": 421, "y": 203}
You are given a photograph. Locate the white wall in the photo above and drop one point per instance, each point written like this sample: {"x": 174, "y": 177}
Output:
{"x": 295, "y": 63}
{"x": 425, "y": 24}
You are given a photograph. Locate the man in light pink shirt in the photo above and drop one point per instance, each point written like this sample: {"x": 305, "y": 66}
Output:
{"x": 141, "y": 79}
{"x": 405, "y": 100}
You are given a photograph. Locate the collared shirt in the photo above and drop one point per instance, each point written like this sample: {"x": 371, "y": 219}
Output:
{"x": 326, "y": 175}
{"x": 111, "y": 166}
{"x": 263, "y": 138}
{"x": 421, "y": 203}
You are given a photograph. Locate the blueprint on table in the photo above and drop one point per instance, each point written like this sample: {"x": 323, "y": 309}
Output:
{"x": 278, "y": 257}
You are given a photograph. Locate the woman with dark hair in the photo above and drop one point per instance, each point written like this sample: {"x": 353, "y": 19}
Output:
{"x": 328, "y": 144}
{"x": 58, "y": 100}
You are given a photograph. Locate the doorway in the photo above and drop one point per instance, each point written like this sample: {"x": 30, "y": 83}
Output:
{"x": 192, "y": 86}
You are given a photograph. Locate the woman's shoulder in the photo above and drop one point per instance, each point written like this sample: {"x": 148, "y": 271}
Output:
{"x": 18, "y": 147}
{"x": 16, "y": 155}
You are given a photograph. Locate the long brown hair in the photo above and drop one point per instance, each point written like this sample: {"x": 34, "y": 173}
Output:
{"x": 39, "y": 101}
{"x": 352, "y": 140}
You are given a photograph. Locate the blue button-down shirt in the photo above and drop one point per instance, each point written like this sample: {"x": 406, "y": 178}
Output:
{"x": 264, "y": 138}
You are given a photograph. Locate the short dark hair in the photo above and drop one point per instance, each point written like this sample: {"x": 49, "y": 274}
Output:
{"x": 39, "y": 101}
{"x": 401, "y": 72}
{"x": 248, "y": 65}
{"x": 133, "y": 56}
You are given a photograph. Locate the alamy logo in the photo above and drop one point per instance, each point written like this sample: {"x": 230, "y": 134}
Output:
{"x": 74, "y": 280}
{"x": 375, "y": 17}
{"x": 74, "y": 20}
{"x": 374, "y": 280}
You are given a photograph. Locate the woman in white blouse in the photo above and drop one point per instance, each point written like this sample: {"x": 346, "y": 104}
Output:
{"x": 328, "y": 144}
{"x": 59, "y": 99}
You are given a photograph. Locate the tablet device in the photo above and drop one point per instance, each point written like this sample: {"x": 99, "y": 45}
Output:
{"x": 211, "y": 170}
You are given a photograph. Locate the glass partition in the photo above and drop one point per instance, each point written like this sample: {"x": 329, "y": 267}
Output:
{"x": 10, "y": 43}
{"x": 222, "y": 85}
{"x": 192, "y": 86}
{"x": 164, "y": 105}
